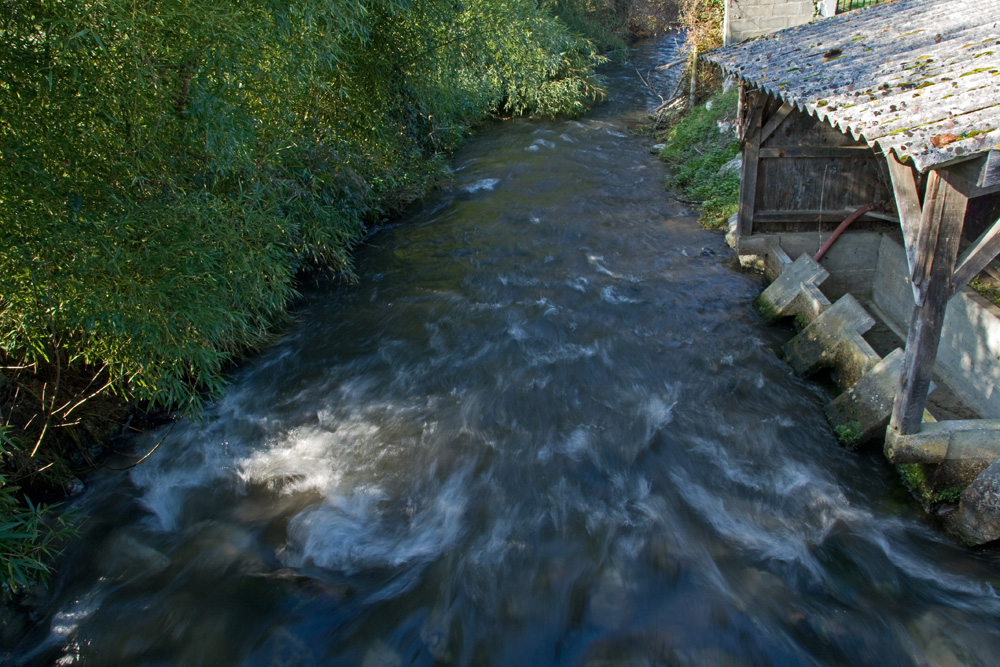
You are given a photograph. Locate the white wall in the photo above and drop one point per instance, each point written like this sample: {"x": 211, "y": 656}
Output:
{"x": 968, "y": 359}
{"x": 746, "y": 19}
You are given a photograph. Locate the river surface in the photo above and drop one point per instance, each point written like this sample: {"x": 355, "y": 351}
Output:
{"x": 545, "y": 427}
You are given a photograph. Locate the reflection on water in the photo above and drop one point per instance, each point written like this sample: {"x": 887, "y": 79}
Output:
{"x": 545, "y": 428}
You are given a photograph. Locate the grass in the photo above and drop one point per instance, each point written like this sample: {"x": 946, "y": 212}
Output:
{"x": 696, "y": 147}
{"x": 987, "y": 288}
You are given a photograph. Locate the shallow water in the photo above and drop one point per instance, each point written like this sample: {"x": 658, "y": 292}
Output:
{"x": 545, "y": 427}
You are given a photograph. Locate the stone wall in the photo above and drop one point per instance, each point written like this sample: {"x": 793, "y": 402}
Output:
{"x": 746, "y": 19}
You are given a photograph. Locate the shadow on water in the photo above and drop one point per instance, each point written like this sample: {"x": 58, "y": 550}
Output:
{"x": 546, "y": 427}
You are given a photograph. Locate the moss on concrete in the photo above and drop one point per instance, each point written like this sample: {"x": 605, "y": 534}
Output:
{"x": 766, "y": 310}
{"x": 915, "y": 476}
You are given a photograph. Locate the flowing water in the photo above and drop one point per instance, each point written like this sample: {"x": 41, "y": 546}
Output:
{"x": 545, "y": 427}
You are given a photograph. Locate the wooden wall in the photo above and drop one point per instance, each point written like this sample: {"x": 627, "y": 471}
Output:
{"x": 806, "y": 175}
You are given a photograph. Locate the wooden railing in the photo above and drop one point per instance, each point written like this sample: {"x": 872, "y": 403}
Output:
{"x": 848, "y": 5}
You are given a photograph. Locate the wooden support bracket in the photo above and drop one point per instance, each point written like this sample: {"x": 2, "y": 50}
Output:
{"x": 904, "y": 186}
{"x": 751, "y": 157}
{"x": 775, "y": 121}
{"x": 976, "y": 257}
{"x": 936, "y": 250}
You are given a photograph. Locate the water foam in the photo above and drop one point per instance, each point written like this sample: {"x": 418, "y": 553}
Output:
{"x": 482, "y": 184}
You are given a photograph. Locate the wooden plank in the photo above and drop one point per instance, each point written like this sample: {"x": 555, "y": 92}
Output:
{"x": 775, "y": 121}
{"x": 751, "y": 151}
{"x": 982, "y": 173}
{"x": 813, "y": 215}
{"x": 775, "y": 152}
{"x": 991, "y": 174}
{"x": 976, "y": 257}
{"x": 904, "y": 187}
{"x": 937, "y": 248}
{"x": 966, "y": 176}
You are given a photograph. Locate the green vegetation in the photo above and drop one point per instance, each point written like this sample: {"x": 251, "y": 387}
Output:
{"x": 29, "y": 535}
{"x": 168, "y": 169}
{"x": 987, "y": 287}
{"x": 915, "y": 478}
{"x": 848, "y": 434}
{"x": 697, "y": 146}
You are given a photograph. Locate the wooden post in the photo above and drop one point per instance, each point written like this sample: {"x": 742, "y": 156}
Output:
{"x": 694, "y": 73}
{"x": 904, "y": 187}
{"x": 941, "y": 219}
{"x": 752, "y": 110}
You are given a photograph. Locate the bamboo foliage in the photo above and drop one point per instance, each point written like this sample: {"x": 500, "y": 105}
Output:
{"x": 168, "y": 166}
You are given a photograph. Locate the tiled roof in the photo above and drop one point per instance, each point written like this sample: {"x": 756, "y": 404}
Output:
{"x": 919, "y": 77}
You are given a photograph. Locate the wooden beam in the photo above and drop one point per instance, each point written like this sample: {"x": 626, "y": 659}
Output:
{"x": 775, "y": 121}
{"x": 940, "y": 230}
{"x": 982, "y": 173}
{"x": 773, "y": 152}
{"x": 816, "y": 215}
{"x": 976, "y": 257}
{"x": 751, "y": 152}
{"x": 904, "y": 187}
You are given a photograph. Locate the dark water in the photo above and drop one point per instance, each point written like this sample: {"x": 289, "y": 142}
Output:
{"x": 546, "y": 427}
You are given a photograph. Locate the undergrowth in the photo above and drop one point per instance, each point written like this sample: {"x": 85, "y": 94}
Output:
{"x": 696, "y": 148}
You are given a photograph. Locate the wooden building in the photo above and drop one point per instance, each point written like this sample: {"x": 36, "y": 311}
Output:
{"x": 893, "y": 111}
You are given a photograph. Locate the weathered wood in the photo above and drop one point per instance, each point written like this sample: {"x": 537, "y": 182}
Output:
{"x": 904, "y": 187}
{"x": 976, "y": 257}
{"x": 776, "y": 152}
{"x": 981, "y": 173}
{"x": 991, "y": 172}
{"x": 832, "y": 215}
{"x": 775, "y": 121}
{"x": 937, "y": 247}
{"x": 751, "y": 151}
{"x": 796, "y": 184}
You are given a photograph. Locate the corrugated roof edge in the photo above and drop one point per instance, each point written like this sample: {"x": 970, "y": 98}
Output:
{"x": 923, "y": 160}
{"x": 948, "y": 135}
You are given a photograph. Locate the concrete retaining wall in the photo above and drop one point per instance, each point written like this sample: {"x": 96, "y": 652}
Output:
{"x": 968, "y": 359}
{"x": 851, "y": 261}
{"x": 746, "y": 19}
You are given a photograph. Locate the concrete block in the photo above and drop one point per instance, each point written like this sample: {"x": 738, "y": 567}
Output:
{"x": 779, "y": 296}
{"x": 776, "y": 262}
{"x": 833, "y": 339}
{"x": 776, "y": 23}
{"x": 801, "y": 10}
{"x": 974, "y": 441}
{"x": 851, "y": 261}
{"x": 944, "y": 458}
{"x": 808, "y": 303}
{"x": 863, "y": 410}
{"x": 751, "y": 10}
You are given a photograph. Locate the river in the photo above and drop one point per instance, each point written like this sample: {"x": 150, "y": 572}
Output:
{"x": 545, "y": 427}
